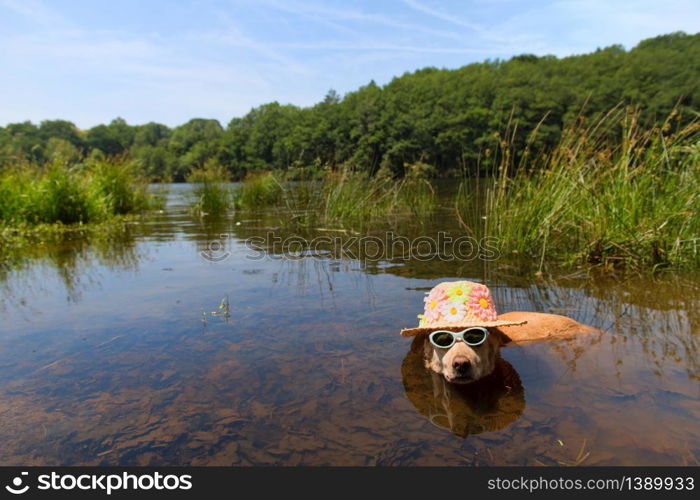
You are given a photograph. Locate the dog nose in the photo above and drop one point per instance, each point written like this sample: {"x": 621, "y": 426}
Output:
{"x": 461, "y": 365}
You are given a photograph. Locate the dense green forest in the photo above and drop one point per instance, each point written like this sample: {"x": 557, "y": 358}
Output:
{"x": 447, "y": 121}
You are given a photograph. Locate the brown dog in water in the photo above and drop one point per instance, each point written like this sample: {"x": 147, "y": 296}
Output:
{"x": 464, "y": 334}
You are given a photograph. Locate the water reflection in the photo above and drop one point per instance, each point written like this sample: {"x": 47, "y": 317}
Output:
{"x": 105, "y": 359}
{"x": 489, "y": 404}
{"x": 74, "y": 258}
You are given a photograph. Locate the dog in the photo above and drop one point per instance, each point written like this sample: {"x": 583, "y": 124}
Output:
{"x": 489, "y": 404}
{"x": 464, "y": 364}
{"x": 465, "y": 307}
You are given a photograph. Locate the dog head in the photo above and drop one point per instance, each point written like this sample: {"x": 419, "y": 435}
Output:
{"x": 462, "y": 363}
{"x": 488, "y": 404}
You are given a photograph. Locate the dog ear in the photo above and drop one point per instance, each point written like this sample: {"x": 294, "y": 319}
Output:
{"x": 409, "y": 333}
{"x": 499, "y": 334}
{"x": 418, "y": 343}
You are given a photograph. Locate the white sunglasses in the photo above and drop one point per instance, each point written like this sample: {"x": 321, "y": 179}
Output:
{"x": 471, "y": 336}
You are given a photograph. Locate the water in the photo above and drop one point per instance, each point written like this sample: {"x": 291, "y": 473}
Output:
{"x": 110, "y": 354}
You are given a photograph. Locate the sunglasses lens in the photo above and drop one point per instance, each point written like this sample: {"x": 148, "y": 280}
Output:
{"x": 442, "y": 339}
{"x": 475, "y": 336}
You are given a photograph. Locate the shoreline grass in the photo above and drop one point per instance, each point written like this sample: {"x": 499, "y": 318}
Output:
{"x": 356, "y": 199}
{"x": 631, "y": 203}
{"x": 81, "y": 193}
{"x": 612, "y": 193}
{"x": 258, "y": 190}
{"x": 211, "y": 194}
{"x": 95, "y": 201}
{"x": 344, "y": 198}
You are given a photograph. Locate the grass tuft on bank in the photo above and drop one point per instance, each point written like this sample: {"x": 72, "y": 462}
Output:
{"x": 612, "y": 192}
{"x": 259, "y": 190}
{"x": 79, "y": 193}
{"x": 344, "y": 198}
{"x": 211, "y": 193}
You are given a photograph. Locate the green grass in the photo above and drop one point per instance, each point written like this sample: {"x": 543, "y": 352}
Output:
{"x": 358, "y": 200}
{"x": 71, "y": 193}
{"x": 259, "y": 190}
{"x": 92, "y": 201}
{"x": 119, "y": 189}
{"x": 633, "y": 202}
{"x": 343, "y": 199}
{"x": 211, "y": 193}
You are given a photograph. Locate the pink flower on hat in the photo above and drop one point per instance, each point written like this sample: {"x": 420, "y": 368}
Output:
{"x": 452, "y": 311}
{"x": 480, "y": 303}
{"x": 433, "y": 303}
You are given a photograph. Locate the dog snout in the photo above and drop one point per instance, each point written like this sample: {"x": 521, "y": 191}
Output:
{"x": 461, "y": 365}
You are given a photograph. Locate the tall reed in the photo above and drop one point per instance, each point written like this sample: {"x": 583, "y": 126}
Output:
{"x": 258, "y": 190}
{"x": 344, "y": 198}
{"x": 211, "y": 193}
{"x": 119, "y": 187}
{"x": 71, "y": 193}
{"x": 614, "y": 192}
{"x": 355, "y": 200}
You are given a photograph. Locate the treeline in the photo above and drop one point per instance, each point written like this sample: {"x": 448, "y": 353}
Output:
{"x": 442, "y": 121}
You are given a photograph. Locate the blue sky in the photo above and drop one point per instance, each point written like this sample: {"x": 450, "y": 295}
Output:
{"x": 89, "y": 61}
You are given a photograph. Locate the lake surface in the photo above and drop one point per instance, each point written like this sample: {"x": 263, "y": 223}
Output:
{"x": 110, "y": 354}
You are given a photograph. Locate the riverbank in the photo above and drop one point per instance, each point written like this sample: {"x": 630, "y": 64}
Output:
{"x": 613, "y": 194}
{"x": 72, "y": 193}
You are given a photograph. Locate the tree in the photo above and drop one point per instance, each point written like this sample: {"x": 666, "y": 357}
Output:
{"x": 451, "y": 120}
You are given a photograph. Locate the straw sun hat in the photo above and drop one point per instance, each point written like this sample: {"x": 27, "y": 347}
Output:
{"x": 457, "y": 305}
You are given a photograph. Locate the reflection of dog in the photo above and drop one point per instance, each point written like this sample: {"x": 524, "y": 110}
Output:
{"x": 491, "y": 403}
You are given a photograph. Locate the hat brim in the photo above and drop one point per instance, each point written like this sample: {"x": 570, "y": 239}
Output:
{"x": 412, "y": 332}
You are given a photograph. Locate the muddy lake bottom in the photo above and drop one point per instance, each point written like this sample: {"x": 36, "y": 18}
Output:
{"x": 111, "y": 354}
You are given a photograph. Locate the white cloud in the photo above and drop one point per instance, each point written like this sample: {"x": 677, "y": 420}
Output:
{"x": 324, "y": 13}
{"x": 443, "y": 16}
